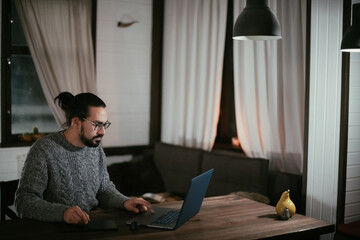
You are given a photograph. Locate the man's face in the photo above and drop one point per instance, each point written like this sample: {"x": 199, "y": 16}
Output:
{"x": 89, "y": 134}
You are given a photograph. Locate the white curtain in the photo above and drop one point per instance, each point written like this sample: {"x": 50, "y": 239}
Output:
{"x": 58, "y": 33}
{"x": 269, "y": 82}
{"x": 194, "y": 38}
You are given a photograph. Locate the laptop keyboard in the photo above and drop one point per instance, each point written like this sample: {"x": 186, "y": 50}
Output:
{"x": 168, "y": 218}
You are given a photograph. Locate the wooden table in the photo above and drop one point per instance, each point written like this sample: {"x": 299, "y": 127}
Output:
{"x": 223, "y": 217}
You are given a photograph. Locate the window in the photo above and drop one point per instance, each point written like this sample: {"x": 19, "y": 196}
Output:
{"x": 226, "y": 131}
{"x": 24, "y": 106}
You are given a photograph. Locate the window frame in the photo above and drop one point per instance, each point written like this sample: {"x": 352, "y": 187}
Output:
{"x": 8, "y": 139}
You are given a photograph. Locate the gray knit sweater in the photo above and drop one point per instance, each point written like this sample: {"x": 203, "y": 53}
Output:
{"x": 57, "y": 175}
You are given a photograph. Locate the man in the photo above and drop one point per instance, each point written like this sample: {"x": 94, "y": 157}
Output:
{"x": 65, "y": 174}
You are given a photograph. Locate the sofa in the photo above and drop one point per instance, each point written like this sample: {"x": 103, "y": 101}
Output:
{"x": 168, "y": 168}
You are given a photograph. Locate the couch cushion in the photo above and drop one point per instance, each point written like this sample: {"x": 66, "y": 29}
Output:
{"x": 234, "y": 172}
{"x": 177, "y": 166}
{"x": 137, "y": 176}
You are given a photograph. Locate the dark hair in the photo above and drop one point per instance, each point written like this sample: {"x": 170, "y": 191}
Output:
{"x": 77, "y": 106}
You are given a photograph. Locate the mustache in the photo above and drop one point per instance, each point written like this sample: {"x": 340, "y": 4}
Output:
{"x": 98, "y": 136}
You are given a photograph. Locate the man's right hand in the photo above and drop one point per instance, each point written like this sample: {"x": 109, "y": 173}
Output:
{"x": 75, "y": 215}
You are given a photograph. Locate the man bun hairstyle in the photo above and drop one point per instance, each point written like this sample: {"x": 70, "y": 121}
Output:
{"x": 77, "y": 106}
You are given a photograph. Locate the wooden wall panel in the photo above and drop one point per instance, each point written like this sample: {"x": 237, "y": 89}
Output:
{"x": 352, "y": 193}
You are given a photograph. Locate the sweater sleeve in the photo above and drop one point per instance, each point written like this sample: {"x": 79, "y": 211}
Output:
{"x": 108, "y": 196}
{"x": 29, "y": 202}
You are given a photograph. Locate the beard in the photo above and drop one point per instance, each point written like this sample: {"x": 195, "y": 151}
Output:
{"x": 90, "y": 142}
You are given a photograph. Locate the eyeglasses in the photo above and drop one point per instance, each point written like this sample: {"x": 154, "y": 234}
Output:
{"x": 99, "y": 126}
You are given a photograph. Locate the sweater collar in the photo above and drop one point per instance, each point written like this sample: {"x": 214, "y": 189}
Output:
{"x": 67, "y": 145}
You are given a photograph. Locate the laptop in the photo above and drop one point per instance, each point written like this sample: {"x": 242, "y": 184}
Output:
{"x": 170, "y": 218}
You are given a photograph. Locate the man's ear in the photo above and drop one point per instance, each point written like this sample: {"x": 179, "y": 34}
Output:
{"x": 76, "y": 122}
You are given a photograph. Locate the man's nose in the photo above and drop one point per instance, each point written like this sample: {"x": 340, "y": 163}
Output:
{"x": 101, "y": 131}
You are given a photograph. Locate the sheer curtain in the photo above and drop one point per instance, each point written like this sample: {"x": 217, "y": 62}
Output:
{"x": 269, "y": 82}
{"x": 194, "y": 38}
{"x": 58, "y": 33}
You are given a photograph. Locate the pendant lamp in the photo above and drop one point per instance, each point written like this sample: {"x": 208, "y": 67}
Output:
{"x": 257, "y": 22}
{"x": 351, "y": 40}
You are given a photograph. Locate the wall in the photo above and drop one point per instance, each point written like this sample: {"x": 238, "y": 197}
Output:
{"x": 11, "y": 162}
{"x": 324, "y": 110}
{"x": 123, "y": 61}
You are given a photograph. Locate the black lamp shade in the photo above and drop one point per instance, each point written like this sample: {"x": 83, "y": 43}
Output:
{"x": 351, "y": 40}
{"x": 257, "y": 22}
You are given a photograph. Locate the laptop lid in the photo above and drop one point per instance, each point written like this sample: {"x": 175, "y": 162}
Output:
{"x": 194, "y": 197}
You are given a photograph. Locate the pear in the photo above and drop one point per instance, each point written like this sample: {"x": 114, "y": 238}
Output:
{"x": 285, "y": 202}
